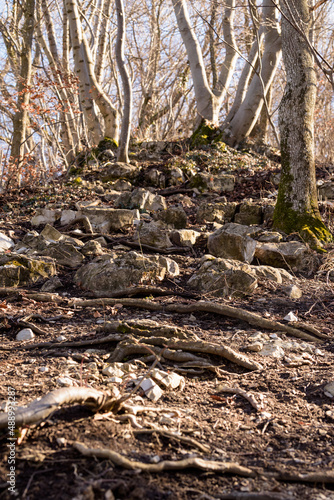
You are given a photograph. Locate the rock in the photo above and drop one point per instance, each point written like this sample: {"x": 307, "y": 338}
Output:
{"x": 232, "y": 241}
{"x": 5, "y": 242}
{"x": 153, "y": 234}
{"x": 329, "y": 390}
{"x": 249, "y": 213}
{"x": 113, "y": 370}
{"x": 64, "y": 381}
{"x": 272, "y": 349}
{"x": 210, "y": 182}
{"x": 53, "y": 235}
{"x": 142, "y": 199}
{"x": 222, "y": 277}
{"x": 290, "y": 317}
{"x": 176, "y": 176}
{"x": 184, "y": 237}
{"x": 92, "y": 249}
{"x": 105, "y": 220}
{"x": 255, "y": 347}
{"x": 68, "y": 216}
{"x": 216, "y": 212}
{"x": 272, "y": 273}
{"x": 151, "y": 389}
{"x": 64, "y": 253}
{"x": 61, "y": 338}
{"x": 45, "y": 216}
{"x": 25, "y": 334}
{"x": 270, "y": 237}
{"x": 326, "y": 191}
{"x": 112, "y": 171}
{"x": 292, "y": 291}
{"x": 174, "y": 216}
{"x": 287, "y": 255}
{"x": 52, "y": 285}
{"x": 18, "y": 270}
{"x": 121, "y": 185}
{"x": 170, "y": 265}
{"x": 169, "y": 380}
{"x": 107, "y": 274}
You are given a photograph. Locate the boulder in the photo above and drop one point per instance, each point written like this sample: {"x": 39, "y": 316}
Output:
{"x": 210, "y": 182}
{"x": 291, "y": 254}
{"x": 18, "y": 270}
{"x": 154, "y": 234}
{"x": 216, "y": 212}
{"x": 222, "y": 277}
{"x": 108, "y": 274}
{"x": 45, "y": 216}
{"x": 249, "y": 213}
{"x": 233, "y": 241}
{"x": 105, "y": 220}
{"x": 92, "y": 249}
{"x": 174, "y": 216}
{"x": 64, "y": 253}
{"x": 113, "y": 171}
{"x": 142, "y": 199}
{"x": 184, "y": 237}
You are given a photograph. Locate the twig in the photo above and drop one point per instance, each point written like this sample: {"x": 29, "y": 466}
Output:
{"x": 174, "y": 435}
{"x": 236, "y": 390}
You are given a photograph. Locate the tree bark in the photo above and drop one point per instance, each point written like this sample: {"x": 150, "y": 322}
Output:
{"x": 123, "y": 149}
{"x": 297, "y": 204}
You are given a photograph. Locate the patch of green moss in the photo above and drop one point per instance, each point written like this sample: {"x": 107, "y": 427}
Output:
{"x": 206, "y": 134}
{"x": 106, "y": 143}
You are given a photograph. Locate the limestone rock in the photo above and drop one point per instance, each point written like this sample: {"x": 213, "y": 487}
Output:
{"x": 52, "y": 285}
{"x": 112, "y": 171}
{"x": 184, "y": 237}
{"x": 293, "y": 292}
{"x": 153, "y": 234}
{"x": 52, "y": 235}
{"x": 5, "y": 242}
{"x": 249, "y": 213}
{"x": 223, "y": 277}
{"x": 287, "y": 255}
{"x": 92, "y": 249}
{"x": 270, "y": 237}
{"x": 25, "y": 334}
{"x": 45, "y": 216}
{"x": 174, "y": 216}
{"x": 233, "y": 241}
{"x": 64, "y": 253}
{"x": 105, "y": 220}
{"x": 107, "y": 274}
{"x": 210, "y": 182}
{"x": 142, "y": 199}
{"x": 17, "y": 270}
{"x": 216, "y": 212}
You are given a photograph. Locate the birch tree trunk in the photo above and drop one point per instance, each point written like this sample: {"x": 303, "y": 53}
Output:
{"x": 297, "y": 204}
{"x": 123, "y": 149}
{"x": 244, "y": 119}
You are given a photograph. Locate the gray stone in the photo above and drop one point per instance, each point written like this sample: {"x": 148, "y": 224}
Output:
{"x": 270, "y": 237}
{"x": 216, "y": 212}
{"x": 112, "y": 171}
{"x": 17, "y": 270}
{"x": 174, "y": 216}
{"x": 92, "y": 249}
{"x": 45, "y": 216}
{"x": 292, "y": 291}
{"x": 108, "y": 274}
{"x": 233, "y": 241}
{"x": 210, "y": 182}
{"x": 25, "y": 334}
{"x": 272, "y": 273}
{"x": 154, "y": 234}
{"x": 176, "y": 176}
{"x": 5, "y": 242}
{"x": 68, "y": 216}
{"x": 249, "y": 213}
{"x": 142, "y": 199}
{"x": 289, "y": 255}
{"x": 52, "y": 235}
{"x": 223, "y": 277}
{"x": 105, "y": 220}
{"x": 52, "y": 285}
{"x": 64, "y": 253}
{"x": 184, "y": 237}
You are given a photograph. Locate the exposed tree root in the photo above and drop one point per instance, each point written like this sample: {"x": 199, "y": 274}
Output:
{"x": 144, "y": 290}
{"x": 202, "y": 306}
{"x": 198, "y": 463}
{"x": 40, "y": 409}
{"x": 236, "y": 390}
{"x": 164, "y": 251}
{"x": 173, "y": 435}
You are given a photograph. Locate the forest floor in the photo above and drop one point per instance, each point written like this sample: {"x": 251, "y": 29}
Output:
{"x": 283, "y": 448}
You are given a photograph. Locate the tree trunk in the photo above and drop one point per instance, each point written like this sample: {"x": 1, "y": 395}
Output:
{"x": 21, "y": 119}
{"x": 123, "y": 149}
{"x": 242, "y": 123}
{"x": 297, "y": 205}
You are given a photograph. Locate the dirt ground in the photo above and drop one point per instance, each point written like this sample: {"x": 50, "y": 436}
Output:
{"x": 284, "y": 442}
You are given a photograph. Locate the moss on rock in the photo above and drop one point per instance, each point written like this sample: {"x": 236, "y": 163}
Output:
{"x": 206, "y": 134}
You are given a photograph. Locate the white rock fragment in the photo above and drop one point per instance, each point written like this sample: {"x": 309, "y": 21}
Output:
{"x": 5, "y": 242}
{"x": 113, "y": 371}
{"x": 43, "y": 369}
{"x": 329, "y": 390}
{"x": 25, "y": 334}
{"x": 168, "y": 380}
{"x": 255, "y": 347}
{"x": 291, "y": 317}
{"x": 271, "y": 349}
{"x": 156, "y": 459}
{"x": 151, "y": 389}
{"x": 61, "y": 338}
{"x": 64, "y": 381}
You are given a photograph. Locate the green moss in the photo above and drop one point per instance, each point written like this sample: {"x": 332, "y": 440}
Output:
{"x": 206, "y": 134}
{"x": 106, "y": 143}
